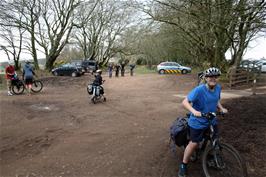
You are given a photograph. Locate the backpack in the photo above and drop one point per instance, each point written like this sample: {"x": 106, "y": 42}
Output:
{"x": 179, "y": 131}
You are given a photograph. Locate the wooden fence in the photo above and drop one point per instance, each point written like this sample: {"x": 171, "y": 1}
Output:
{"x": 244, "y": 75}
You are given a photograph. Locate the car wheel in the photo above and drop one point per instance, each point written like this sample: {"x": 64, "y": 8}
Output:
{"x": 74, "y": 74}
{"x": 184, "y": 71}
{"x": 162, "y": 71}
{"x": 55, "y": 73}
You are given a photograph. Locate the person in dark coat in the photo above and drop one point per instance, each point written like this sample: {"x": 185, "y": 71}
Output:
{"x": 117, "y": 67}
{"x": 123, "y": 64}
{"x": 132, "y": 66}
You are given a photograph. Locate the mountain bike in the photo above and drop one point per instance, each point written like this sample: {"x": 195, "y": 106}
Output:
{"x": 219, "y": 159}
{"x": 18, "y": 86}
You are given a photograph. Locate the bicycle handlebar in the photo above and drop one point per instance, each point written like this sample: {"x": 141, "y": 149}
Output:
{"x": 211, "y": 115}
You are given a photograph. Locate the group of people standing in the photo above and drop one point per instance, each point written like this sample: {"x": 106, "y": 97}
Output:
{"x": 27, "y": 76}
{"x": 119, "y": 67}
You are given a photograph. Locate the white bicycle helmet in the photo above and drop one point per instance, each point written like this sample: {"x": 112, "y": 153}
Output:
{"x": 99, "y": 71}
{"x": 212, "y": 72}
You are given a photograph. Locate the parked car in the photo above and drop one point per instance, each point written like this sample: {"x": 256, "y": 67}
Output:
{"x": 263, "y": 66}
{"x": 78, "y": 64}
{"x": 164, "y": 67}
{"x": 252, "y": 65}
{"x": 67, "y": 70}
{"x": 89, "y": 65}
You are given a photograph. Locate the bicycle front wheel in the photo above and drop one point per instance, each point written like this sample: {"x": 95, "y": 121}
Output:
{"x": 36, "y": 86}
{"x": 18, "y": 88}
{"x": 223, "y": 162}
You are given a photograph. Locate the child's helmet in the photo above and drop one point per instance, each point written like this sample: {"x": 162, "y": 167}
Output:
{"x": 99, "y": 71}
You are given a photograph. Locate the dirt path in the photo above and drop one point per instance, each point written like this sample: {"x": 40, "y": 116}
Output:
{"x": 58, "y": 132}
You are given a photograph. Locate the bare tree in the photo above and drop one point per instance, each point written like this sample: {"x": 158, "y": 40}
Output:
{"x": 252, "y": 20}
{"x": 100, "y": 29}
{"x": 12, "y": 48}
{"x": 54, "y": 27}
{"x": 11, "y": 33}
{"x": 23, "y": 14}
{"x": 210, "y": 28}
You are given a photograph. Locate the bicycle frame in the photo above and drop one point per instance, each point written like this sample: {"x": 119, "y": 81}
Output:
{"x": 208, "y": 138}
{"x": 218, "y": 158}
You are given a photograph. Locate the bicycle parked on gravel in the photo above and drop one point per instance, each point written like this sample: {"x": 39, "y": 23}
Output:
{"x": 18, "y": 86}
{"x": 218, "y": 159}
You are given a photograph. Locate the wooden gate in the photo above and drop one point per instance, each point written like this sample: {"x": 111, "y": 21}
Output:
{"x": 243, "y": 75}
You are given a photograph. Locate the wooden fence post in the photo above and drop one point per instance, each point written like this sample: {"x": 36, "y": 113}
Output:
{"x": 254, "y": 84}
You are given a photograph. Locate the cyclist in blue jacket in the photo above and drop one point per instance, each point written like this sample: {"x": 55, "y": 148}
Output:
{"x": 27, "y": 76}
{"x": 202, "y": 99}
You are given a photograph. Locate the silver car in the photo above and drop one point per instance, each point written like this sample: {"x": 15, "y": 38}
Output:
{"x": 171, "y": 68}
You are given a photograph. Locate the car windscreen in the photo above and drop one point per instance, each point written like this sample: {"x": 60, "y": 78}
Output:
{"x": 67, "y": 65}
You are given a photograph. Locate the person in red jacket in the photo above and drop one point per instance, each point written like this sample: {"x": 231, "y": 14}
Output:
{"x": 10, "y": 71}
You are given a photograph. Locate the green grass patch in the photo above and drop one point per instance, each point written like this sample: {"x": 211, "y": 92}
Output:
{"x": 142, "y": 69}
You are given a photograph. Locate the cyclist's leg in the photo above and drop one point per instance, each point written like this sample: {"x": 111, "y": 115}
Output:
{"x": 28, "y": 83}
{"x": 8, "y": 83}
{"x": 196, "y": 136}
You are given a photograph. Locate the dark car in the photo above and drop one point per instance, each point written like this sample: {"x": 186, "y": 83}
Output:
{"x": 67, "y": 70}
{"x": 89, "y": 65}
{"x": 78, "y": 64}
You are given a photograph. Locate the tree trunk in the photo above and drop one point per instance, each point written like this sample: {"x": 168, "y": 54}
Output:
{"x": 50, "y": 62}
{"x": 17, "y": 66}
{"x": 34, "y": 53}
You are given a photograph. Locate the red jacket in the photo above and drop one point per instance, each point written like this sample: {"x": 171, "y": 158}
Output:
{"x": 10, "y": 71}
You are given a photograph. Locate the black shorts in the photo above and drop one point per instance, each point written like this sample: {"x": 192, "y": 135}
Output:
{"x": 196, "y": 135}
{"x": 28, "y": 81}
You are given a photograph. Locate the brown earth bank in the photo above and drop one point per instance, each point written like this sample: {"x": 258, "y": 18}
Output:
{"x": 59, "y": 132}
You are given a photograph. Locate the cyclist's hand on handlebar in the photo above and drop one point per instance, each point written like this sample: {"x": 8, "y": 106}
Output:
{"x": 197, "y": 113}
{"x": 224, "y": 111}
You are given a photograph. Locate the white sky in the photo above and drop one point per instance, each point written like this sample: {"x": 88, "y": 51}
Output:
{"x": 256, "y": 50}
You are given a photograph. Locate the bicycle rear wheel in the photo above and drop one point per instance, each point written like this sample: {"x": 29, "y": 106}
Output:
{"x": 36, "y": 86}
{"x": 18, "y": 88}
{"x": 223, "y": 162}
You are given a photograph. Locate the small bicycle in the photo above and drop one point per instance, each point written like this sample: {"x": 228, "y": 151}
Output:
{"x": 97, "y": 93}
{"x": 18, "y": 86}
{"x": 218, "y": 159}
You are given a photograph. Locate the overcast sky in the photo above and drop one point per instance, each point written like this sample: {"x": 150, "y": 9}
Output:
{"x": 256, "y": 50}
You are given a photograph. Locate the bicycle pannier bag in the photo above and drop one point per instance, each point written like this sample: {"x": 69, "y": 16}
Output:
{"x": 90, "y": 89}
{"x": 179, "y": 131}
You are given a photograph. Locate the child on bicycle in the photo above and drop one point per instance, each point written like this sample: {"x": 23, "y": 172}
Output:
{"x": 202, "y": 99}
{"x": 98, "y": 78}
